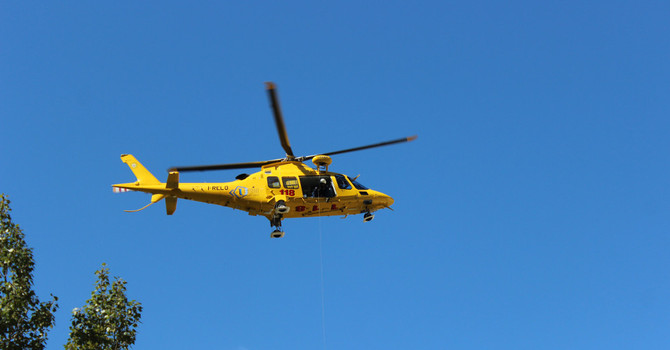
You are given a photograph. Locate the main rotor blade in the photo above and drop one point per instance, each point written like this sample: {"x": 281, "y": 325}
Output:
{"x": 380, "y": 144}
{"x": 224, "y": 166}
{"x": 279, "y": 120}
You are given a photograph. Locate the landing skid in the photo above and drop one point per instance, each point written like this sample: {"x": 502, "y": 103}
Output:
{"x": 368, "y": 217}
{"x": 275, "y": 222}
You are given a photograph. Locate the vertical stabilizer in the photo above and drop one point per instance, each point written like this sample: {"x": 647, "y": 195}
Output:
{"x": 144, "y": 177}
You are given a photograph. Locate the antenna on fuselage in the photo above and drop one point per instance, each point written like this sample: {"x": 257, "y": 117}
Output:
{"x": 322, "y": 161}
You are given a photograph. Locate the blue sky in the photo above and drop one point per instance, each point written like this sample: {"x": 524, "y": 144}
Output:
{"x": 532, "y": 211}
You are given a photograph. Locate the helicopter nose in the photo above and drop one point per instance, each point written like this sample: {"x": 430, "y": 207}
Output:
{"x": 384, "y": 199}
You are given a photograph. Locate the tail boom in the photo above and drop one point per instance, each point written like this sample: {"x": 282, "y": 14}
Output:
{"x": 225, "y": 194}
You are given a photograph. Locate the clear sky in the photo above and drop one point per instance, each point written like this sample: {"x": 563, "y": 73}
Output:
{"x": 531, "y": 213}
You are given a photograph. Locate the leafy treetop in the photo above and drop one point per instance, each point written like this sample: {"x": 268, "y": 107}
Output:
{"x": 108, "y": 321}
{"x": 24, "y": 320}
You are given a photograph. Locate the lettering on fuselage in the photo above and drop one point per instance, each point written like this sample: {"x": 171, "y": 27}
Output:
{"x": 302, "y": 208}
{"x": 217, "y": 188}
{"x": 290, "y": 193}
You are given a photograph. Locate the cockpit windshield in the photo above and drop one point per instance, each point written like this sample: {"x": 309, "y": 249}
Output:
{"x": 342, "y": 182}
{"x": 357, "y": 184}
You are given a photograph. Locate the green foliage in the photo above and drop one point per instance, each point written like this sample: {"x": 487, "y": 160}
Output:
{"x": 24, "y": 320}
{"x": 108, "y": 320}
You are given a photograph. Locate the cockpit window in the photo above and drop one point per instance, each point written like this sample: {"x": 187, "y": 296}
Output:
{"x": 290, "y": 182}
{"x": 342, "y": 182}
{"x": 357, "y": 184}
{"x": 273, "y": 182}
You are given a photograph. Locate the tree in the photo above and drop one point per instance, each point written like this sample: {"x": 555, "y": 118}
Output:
{"x": 24, "y": 320}
{"x": 108, "y": 321}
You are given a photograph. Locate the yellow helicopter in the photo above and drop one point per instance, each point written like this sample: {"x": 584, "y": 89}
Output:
{"x": 284, "y": 188}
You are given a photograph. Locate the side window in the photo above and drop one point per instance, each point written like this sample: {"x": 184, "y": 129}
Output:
{"x": 342, "y": 182}
{"x": 290, "y": 183}
{"x": 273, "y": 182}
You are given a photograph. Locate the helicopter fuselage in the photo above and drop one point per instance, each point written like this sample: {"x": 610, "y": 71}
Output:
{"x": 304, "y": 190}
